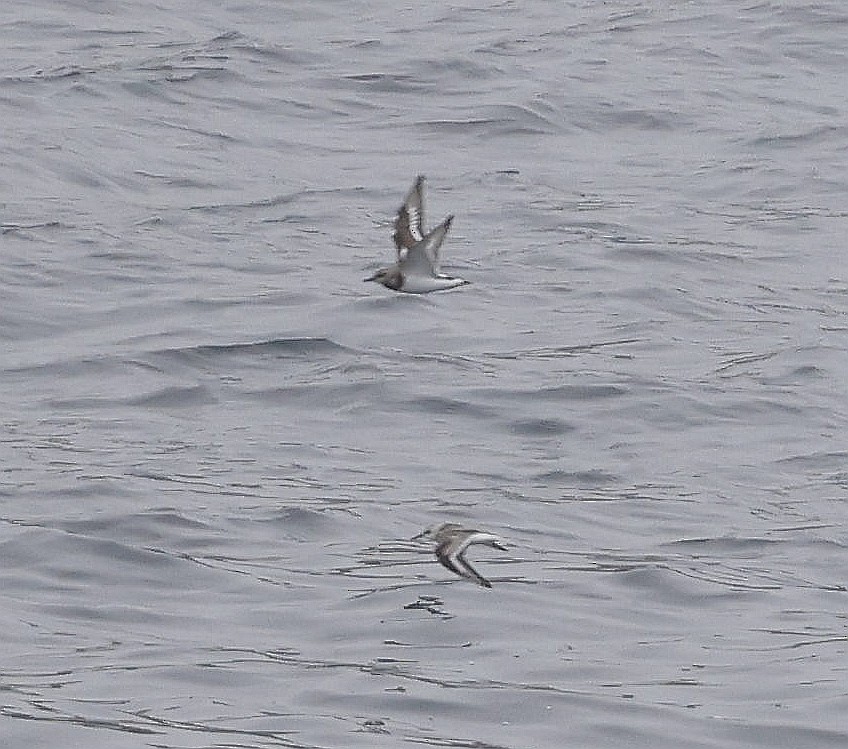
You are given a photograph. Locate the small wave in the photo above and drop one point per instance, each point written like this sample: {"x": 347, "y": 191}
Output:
{"x": 556, "y": 352}
{"x": 388, "y": 82}
{"x": 540, "y": 427}
{"x": 571, "y": 479}
{"x": 448, "y": 406}
{"x": 280, "y": 347}
{"x": 175, "y": 396}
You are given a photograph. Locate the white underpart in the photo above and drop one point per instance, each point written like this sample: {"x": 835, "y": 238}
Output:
{"x": 426, "y": 284}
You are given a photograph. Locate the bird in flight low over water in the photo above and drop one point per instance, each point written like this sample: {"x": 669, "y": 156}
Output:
{"x": 417, "y": 268}
{"x": 452, "y": 541}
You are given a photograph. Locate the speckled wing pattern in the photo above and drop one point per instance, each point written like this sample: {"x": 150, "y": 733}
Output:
{"x": 410, "y": 219}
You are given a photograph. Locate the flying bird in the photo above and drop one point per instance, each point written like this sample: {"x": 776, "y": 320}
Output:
{"x": 417, "y": 268}
{"x": 452, "y": 541}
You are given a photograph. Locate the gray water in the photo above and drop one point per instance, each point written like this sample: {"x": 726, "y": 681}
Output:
{"x": 218, "y": 441}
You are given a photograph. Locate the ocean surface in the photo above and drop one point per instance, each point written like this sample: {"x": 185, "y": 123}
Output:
{"x": 218, "y": 442}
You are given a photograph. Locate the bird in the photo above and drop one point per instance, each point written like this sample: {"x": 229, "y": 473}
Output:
{"x": 417, "y": 268}
{"x": 452, "y": 541}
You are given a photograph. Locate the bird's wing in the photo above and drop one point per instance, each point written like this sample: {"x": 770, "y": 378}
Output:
{"x": 470, "y": 572}
{"x": 410, "y": 219}
{"x": 443, "y": 554}
{"x": 456, "y": 547}
{"x": 423, "y": 256}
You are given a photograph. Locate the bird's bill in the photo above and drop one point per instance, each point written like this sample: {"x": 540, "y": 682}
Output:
{"x": 372, "y": 278}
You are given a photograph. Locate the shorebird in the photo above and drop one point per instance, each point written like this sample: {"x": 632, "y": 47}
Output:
{"x": 452, "y": 541}
{"x": 417, "y": 268}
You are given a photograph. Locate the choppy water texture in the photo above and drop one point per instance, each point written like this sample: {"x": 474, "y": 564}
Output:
{"x": 218, "y": 442}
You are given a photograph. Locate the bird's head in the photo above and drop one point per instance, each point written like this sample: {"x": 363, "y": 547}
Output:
{"x": 437, "y": 530}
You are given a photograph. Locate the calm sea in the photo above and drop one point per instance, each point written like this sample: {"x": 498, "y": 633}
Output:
{"x": 217, "y": 441}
